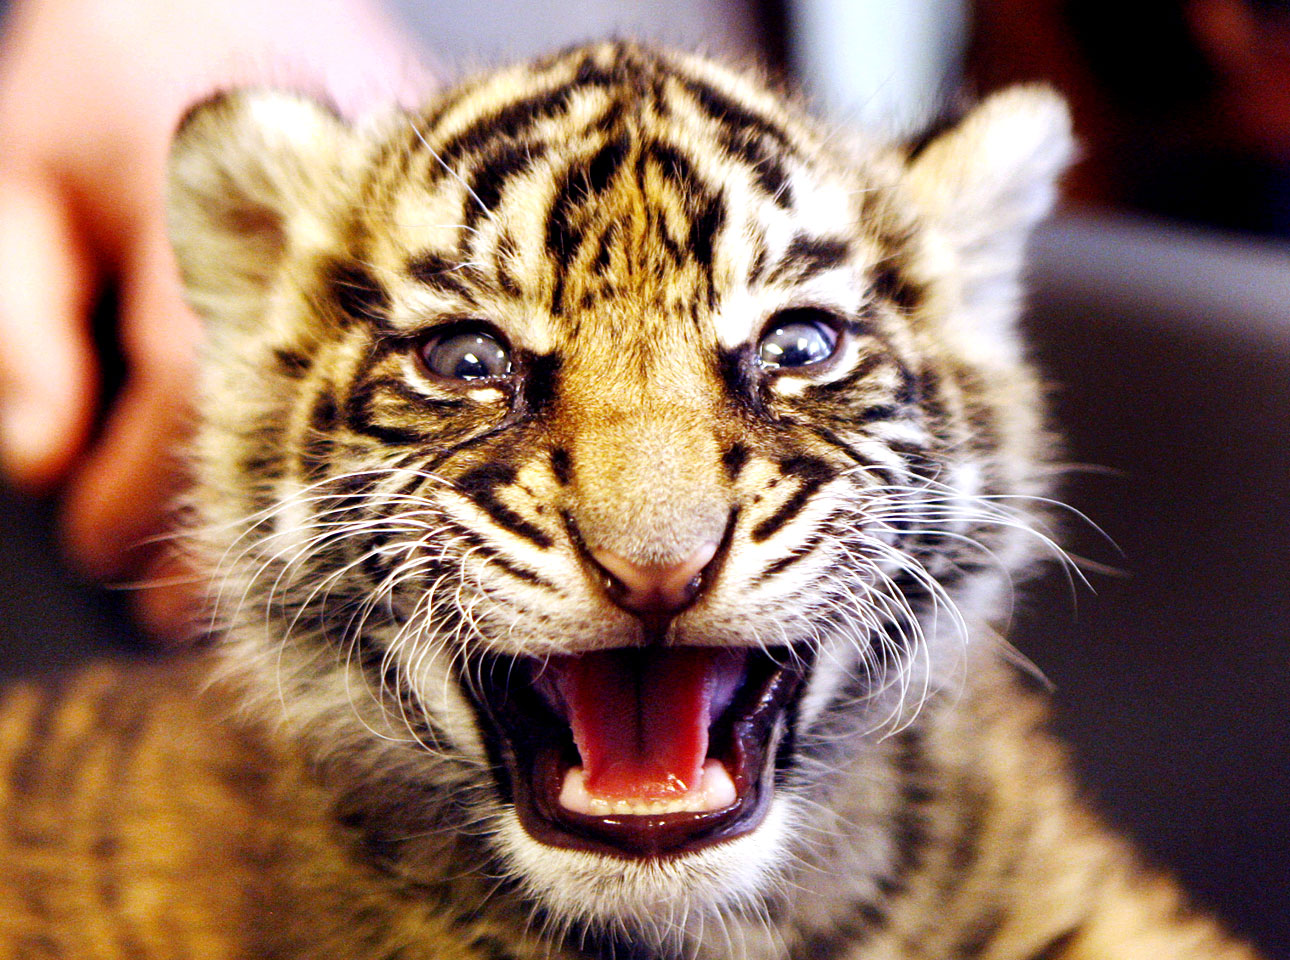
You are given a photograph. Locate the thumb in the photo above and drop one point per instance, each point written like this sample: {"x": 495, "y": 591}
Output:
{"x": 122, "y": 491}
{"x": 48, "y": 376}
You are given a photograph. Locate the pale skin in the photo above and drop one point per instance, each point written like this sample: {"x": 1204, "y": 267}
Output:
{"x": 90, "y": 93}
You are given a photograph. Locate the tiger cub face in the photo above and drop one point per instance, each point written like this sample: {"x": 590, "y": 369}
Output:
{"x": 605, "y": 458}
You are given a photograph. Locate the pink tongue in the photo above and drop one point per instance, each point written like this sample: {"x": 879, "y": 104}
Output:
{"x": 640, "y": 718}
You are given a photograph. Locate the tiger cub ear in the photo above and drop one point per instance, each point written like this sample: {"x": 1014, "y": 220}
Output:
{"x": 251, "y": 177}
{"x": 986, "y": 181}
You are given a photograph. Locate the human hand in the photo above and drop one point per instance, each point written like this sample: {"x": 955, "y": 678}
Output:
{"x": 90, "y": 93}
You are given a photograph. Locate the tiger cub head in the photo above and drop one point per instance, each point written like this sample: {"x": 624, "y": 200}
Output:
{"x": 602, "y": 459}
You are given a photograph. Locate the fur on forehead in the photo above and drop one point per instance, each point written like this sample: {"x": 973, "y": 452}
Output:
{"x": 257, "y": 178}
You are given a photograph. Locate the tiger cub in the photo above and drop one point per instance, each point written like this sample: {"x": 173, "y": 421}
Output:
{"x": 607, "y": 479}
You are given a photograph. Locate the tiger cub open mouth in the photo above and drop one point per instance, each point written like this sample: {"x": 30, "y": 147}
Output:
{"x": 638, "y": 751}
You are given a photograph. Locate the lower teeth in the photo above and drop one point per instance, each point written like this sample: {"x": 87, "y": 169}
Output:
{"x": 714, "y": 791}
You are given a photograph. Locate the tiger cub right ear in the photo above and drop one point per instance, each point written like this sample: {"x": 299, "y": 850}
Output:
{"x": 252, "y": 175}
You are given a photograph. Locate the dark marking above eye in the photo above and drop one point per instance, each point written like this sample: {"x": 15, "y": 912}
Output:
{"x": 890, "y": 283}
{"x": 437, "y": 271}
{"x": 806, "y": 256}
{"x": 356, "y": 292}
{"x": 705, "y": 227}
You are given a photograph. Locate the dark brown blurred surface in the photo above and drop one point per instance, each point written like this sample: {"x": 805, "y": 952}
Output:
{"x": 1172, "y": 375}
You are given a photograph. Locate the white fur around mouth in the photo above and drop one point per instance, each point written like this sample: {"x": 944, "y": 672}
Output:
{"x": 715, "y": 791}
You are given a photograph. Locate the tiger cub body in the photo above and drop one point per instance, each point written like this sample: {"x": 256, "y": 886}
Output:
{"x": 607, "y": 478}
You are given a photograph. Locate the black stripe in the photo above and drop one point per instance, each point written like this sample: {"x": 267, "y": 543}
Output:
{"x": 600, "y": 266}
{"x": 704, "y": 229}
{"x": 890, "y": 283}
{"x": 292, "y": 363}
{"x": 675, "y": 166}
{"x": 489, "y": 180}
{"x": 512, "y": 121}
{"x": 437, "y": 271}
{"x": 757, "y": 269}
{"x": 767, "y": 168}
{"x": 493, "y": 554}
{"x": 581, "y": 183}
{"x": 744, "y": 134}
{"x": 734, "y": 117}
{"x": 1056, "y": 948}
{"x": 734, "y": 459}
{"x": 863, "y": 370}
{"x": 358, "y": 417}
{"x": 980, "y": 935}
{"x": 562, "y": 239}
{"x": 446, "y": 454}
{"x": 604, "y": 166}
{"x": 504, "y": 254}
{"x": 356, "y": 292}
{"x": 657, "y": 222}
{"x": 317, "y": 447}
{"x": 800, "y": 552}
{"x": 807, "y": 256}
{"x": 812, "y": 474}
{"x": 480, "y": 486}
{"x": 404, "y": 392}
{"x": 561, "y": 466}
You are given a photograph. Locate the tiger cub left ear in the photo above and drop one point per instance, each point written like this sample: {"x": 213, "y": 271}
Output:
{"x": 985, "y": 182}
{"x": 997, "y": 168}
{"x": 252, "y": 174}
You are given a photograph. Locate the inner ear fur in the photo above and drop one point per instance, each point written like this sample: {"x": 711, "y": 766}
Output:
{"x": 983, "y": 184}
{"x": 250, "y": 174}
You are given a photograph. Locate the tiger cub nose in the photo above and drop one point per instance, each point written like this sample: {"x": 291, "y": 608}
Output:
{"x": 649, "y": 588}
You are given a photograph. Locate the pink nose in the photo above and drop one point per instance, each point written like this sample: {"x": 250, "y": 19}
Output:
{"x": 648, "y": 588}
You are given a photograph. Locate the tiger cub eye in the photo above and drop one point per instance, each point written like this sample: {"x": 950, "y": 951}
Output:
{"x": 467, "y": 353}
{"x": 797, "y": 338}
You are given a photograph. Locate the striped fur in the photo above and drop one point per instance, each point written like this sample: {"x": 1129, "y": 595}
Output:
{"x": 627, "y": 222}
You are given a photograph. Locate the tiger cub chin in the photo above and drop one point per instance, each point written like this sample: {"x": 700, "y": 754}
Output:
{"x": 607, "y": 479}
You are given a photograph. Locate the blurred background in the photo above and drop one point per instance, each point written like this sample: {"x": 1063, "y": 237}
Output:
{"x": 1160, "y": 314}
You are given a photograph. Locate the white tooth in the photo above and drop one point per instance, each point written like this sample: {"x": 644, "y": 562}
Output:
{"x": 714, "y": 791}
{"x": 717, "y": 787}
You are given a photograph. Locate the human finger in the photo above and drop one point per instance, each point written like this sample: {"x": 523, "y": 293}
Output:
{"x": 120, "y": 497}
{"x": 48, "y": 374}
